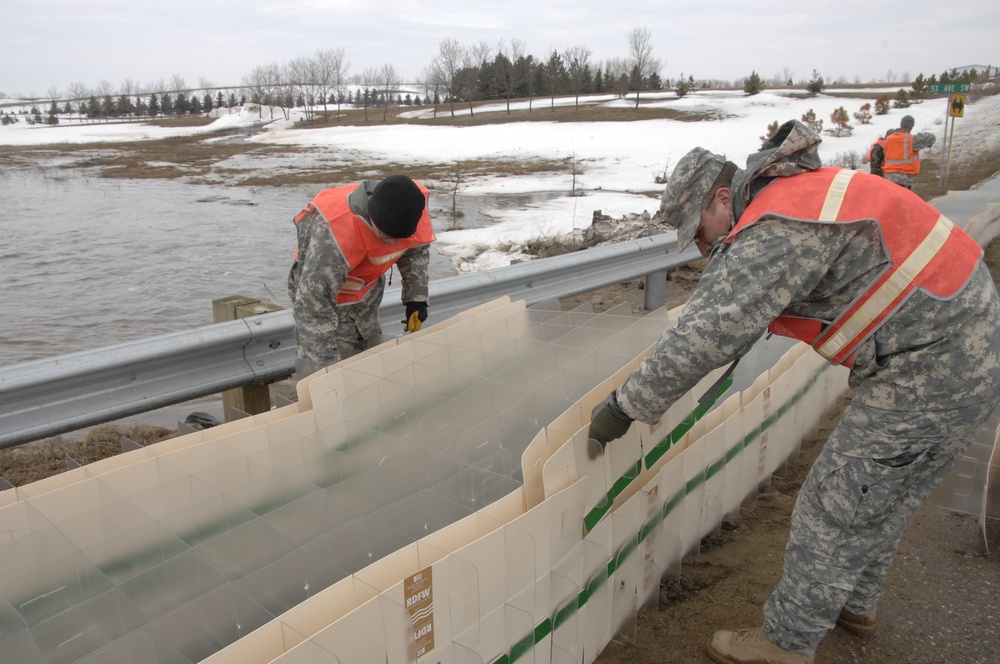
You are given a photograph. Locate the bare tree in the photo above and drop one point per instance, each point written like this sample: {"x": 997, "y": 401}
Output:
{"x": 369, "y": 80}
{"x": 329, "y": 72}
{"x": 641, "y": 51}
{"x": 78, "y": 92}
{"x": 300, "y": 74}
{"x": 890, "y": 76}
{"x": 433, "y": 83}
{"x": 263, "y": 83}
{"x": 446, "y": 64}
{"x": 177, "y": 83}
{"x": 104, "y": 88}
{"x": 389, "y": 80}
{"x": 475, "y": 58}
{"x": 578, "y": 65}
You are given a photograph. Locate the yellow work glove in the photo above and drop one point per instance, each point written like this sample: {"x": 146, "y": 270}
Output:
{"x": 416, "y": 313}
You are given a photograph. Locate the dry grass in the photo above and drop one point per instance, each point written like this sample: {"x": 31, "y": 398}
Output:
{"x": 193, "y": 158}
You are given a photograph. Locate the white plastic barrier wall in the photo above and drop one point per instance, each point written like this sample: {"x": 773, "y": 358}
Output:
{"x": 432, "y": 500}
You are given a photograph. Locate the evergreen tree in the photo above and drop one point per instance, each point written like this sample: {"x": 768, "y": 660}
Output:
{"x": 771, "y": 128}
{"x": 53, "y": 108}
{"x": 810, "y": 120}
{"x": 154, "y": 105}
{"x": 864, "y": 116}
{"x": 206, "y": 102}
{"x": 752, "y": 84}
{"x": 840, "y": 118}
{"x": 107, "y": 107}
{"x": 902, "y": 99}
{"x": 684, "y": 85}
{"x": 231, "y": 102}
{"x": 167, "y": 105}
{"x": 882, "y": 105}
{"x": 180, "y": 104}
{"x": 194, "y": 108}
{"x": 124, "y": 106}
{"x": 816, "y": 83}
{"x": 220, "y": 102}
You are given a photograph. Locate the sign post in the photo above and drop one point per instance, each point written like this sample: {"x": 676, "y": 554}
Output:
{"x": 956, "y": 109}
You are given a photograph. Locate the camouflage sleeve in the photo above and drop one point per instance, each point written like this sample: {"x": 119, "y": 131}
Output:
{"x": 743, "y": 288}
{"x": 923, "y": 140}
{"x": 316, "y": 278}
{"x": 414, "y": 267}
{"x": 878, "y": 160}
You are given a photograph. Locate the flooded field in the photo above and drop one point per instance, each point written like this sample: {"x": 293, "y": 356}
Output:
{"x": 89, "y": 261}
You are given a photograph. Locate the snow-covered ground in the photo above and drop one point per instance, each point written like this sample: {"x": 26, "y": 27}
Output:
{"x": 617, "y": 162}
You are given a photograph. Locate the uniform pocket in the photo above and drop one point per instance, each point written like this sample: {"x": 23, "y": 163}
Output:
{"x": 861, "y": 492}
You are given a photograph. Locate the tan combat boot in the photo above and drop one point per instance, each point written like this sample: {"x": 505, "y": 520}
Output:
{"x": 750, "y": 646}
{"x": 857, "y": 624}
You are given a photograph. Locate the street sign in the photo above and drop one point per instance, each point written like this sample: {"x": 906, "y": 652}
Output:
{"x": 949, "y": 88}
{"x": 956, "y": 105}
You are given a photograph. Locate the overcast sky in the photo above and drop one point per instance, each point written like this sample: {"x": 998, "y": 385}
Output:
{"x": 50, "y": 44}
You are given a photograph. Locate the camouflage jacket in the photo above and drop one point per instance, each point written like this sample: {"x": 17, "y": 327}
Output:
{"x": 320, "y": 272}
{"x": 931, "y": 354}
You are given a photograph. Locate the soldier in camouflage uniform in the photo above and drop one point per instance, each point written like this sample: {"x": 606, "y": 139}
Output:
{"x": 876, "y": 155}
{"x": 902, "y": 153}
{"x": 926, "y": 377}
{"x": 348, "y": 238}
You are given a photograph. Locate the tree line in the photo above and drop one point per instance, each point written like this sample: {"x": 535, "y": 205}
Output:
{"x": 457, "y": 75}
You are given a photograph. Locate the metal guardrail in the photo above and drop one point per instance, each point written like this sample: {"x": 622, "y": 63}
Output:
{"x": 67, "y": 392}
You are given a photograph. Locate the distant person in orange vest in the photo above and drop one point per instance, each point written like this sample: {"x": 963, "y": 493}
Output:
{"x": 348, "y": 238}
{"x": 902, "y": 153}
{"x": 876, "y": 155}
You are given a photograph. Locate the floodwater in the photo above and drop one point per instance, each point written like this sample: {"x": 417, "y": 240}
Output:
{"x": 88, "y": 262}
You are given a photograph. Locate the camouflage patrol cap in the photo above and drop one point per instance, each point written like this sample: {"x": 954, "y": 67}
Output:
{"x": 681, "y": 204}
{"x": 907, "y": 122}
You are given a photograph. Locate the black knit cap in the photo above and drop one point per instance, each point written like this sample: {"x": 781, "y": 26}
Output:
{"x": 396, "y": 205}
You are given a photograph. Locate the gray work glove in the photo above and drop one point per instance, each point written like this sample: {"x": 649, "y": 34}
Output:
{"x": 608, "y": 421}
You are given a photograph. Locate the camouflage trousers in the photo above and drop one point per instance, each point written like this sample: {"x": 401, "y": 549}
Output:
{"x": 357, "y": 325}
{"x": 851, "y": 511}
{"x": 902, "y": 179}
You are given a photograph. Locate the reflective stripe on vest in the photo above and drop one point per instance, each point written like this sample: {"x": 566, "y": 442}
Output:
{"x": 926, "y": 249}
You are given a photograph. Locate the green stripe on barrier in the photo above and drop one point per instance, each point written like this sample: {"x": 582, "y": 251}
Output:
{"x": 562, "y": 615}
{"x": 597, "y": 513}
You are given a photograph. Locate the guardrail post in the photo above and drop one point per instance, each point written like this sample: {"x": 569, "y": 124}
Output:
{"x": 655, "y": 287}
{"x": 249, "y": 399}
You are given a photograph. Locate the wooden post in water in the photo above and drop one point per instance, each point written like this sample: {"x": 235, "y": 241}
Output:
{"x": 250, "y": 399}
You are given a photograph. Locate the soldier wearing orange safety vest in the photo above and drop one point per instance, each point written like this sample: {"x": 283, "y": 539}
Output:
{"x": 348, "y": 239}
{"x": 873, "y": 278}
{"x": 902, "y": 153}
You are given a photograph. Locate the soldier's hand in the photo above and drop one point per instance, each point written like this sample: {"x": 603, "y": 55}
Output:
{"x": 416, "y": 313}
{"x": 608, "y": 421}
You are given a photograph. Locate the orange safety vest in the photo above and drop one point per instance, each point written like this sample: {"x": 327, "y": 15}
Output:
{"x": 927, "y": 251}
{"x": 899, "y": 154}
{"x": 367, "y": 257}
